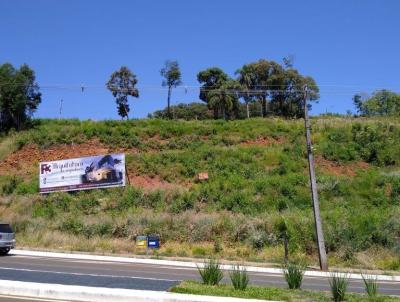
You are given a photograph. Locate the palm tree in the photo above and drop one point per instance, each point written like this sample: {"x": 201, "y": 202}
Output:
{"x": 246, "y": 85}
{"x": 222, "y": 99}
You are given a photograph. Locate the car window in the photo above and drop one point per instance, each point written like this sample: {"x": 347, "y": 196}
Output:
{"x": 5, "y": 228}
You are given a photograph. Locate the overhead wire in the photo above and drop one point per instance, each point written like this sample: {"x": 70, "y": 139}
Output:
{"x": 259, "y": 90}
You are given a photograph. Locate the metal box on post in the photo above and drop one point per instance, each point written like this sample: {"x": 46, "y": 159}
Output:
{"x": 141, "y": 242}
{"x": 153, "y": 242}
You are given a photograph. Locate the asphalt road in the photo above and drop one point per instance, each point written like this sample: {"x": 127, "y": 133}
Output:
{"x": 138, "y": 276}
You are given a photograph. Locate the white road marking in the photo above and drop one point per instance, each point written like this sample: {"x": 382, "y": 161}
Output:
{"x": 82, "y": 274}
{"x": 30, "y": 299}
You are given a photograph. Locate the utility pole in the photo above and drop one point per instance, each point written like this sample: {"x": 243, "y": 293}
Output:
{"x": 314, "y": 191}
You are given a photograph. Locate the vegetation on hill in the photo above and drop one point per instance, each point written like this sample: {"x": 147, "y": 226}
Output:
{"x": 258, "y": 182}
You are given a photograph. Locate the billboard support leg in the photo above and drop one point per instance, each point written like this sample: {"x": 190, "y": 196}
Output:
{"x": 127, "y": 175}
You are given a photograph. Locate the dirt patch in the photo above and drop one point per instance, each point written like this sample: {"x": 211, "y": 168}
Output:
{"x": 263, "y": 141}
{"x": 22, "y": 161}
{"x": 337, "y": 169}
{"x": 25, "y": 162}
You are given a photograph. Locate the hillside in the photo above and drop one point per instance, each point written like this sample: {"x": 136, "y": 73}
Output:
{"x": 257, "y": 190}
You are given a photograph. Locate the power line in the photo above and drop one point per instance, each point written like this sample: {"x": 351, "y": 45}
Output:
{"x": 249, "y": 92}
{"x": 186, "y": 87}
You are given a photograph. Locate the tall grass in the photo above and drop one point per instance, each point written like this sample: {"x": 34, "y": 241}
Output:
{"x": 239, "y": 277}
{"x": 338, "y": 283}
{"x": 211, "y": 273}
{"x": 293, "y": 275}
{"x": 371, "y": 285}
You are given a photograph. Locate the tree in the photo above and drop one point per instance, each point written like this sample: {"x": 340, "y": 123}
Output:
{"x": 172, "y": 78}
{"x": 224, "y": 100}
{"x": 287, "y": 92}
{"x": 122, "y": 85}
{"x": 280, "y": 86}
{"x": 358, "y": 103}
{"x": 210, "y": 79}
{"x": 382, "y": 102}
{"x": 246, "y": 80}
{"x": 19, "y": 96}
{"x": 257, "y": 77}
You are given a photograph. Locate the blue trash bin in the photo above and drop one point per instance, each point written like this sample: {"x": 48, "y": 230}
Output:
{"x": 153, "y": 242}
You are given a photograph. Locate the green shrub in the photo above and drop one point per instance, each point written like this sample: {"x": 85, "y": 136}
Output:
{"x": 239, "y": 277}
{"x": 130, "y": 198}
{"x": 211, "y": 273}
{"x": 10, "y": 185}
{"x": 183, "y": 202}
{"x": 44, "y": 208}
{"x": 293, "y": 275}
{"x": 393, "y": 264}
{"x": 199, "y": 251}
{"x": 217, "y": 246}
{"x": 258, "y": 239}
{"x": 27, "y": 187}
{"x": 72, "y": 225}
{"x": 338, "y": 285}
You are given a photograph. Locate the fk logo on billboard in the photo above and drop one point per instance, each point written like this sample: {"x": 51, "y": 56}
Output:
{"x": 45, "y": 168}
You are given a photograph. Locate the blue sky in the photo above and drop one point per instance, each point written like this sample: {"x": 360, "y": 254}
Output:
{"x": 348, "y": 46}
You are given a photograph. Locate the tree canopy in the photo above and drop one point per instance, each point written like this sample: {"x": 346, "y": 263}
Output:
{"x": 122, "y": 85}
{"x": 277, "y": 87}
{"x": 19, "y": 96}
{"x": 191, "y": 111}
{"x": 380, "y": 103}
{"x": 224, "y": 100}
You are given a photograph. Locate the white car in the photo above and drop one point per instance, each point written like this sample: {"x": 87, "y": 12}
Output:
{"x": 7, "y": 238}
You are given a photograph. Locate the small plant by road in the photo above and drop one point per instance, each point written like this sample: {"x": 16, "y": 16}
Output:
{"x": 293, "y": 275}
{"x": 239, "y": 277}
{"x": 371, "y": 286}
{"x": 211, "y": 273}
{"x": 338, "y": 283}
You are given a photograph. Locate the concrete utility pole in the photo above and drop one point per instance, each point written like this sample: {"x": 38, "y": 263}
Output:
{"x": 314, "y": 191}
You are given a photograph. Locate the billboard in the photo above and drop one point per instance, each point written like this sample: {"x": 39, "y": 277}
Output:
{"x": 82, "y": 173}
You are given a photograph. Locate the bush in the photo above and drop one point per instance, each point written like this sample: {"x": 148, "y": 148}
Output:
{"x": 258, "y": 239}
{"x": 10, "y": 185}
{"x": 371, "y": 285}
{"x": 239, "y": 277}
{"x": 293, "y": 275}
{"x": 338, "y": 285}
{"x": 27, "y": 187}
{"x": 211, "y": 273}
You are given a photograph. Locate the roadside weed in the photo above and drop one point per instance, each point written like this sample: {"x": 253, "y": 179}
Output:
{"x": 371, "y": 285}
{"x": 338, "y": 283}
{"x": 211, "y": 273}
{"x": 239, "y": 277}
{"x": 293, "y": 275}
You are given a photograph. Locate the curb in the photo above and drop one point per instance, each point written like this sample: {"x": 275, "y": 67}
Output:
{"x": 253, "y": 269}
{"x": 100, "y": 294}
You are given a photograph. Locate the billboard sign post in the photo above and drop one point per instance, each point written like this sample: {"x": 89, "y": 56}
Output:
{"x": 83, "y": 173}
